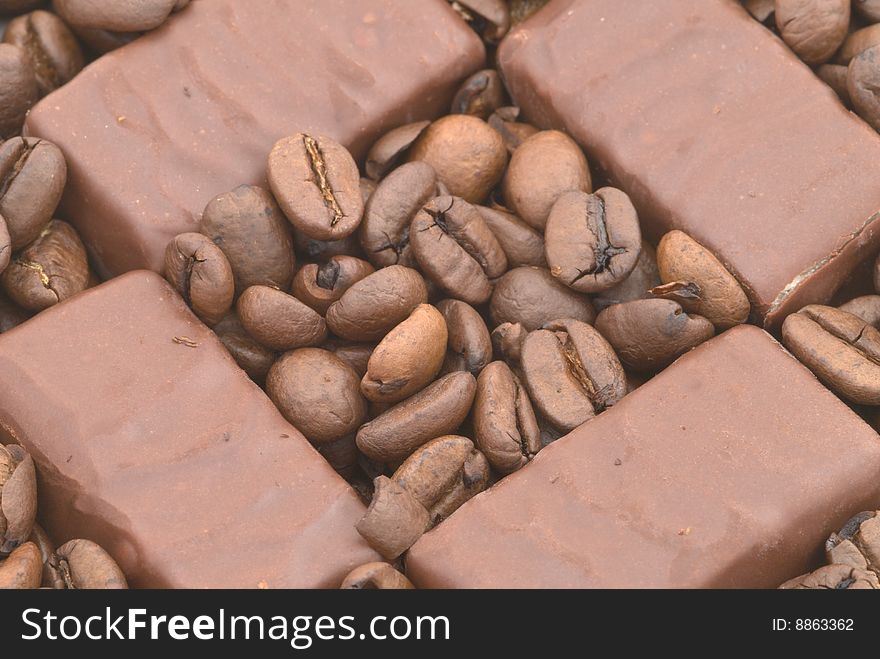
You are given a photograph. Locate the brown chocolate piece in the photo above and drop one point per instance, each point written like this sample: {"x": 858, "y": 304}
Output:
{"x": 709, "y": 475}
{"x": 150, "y": 441}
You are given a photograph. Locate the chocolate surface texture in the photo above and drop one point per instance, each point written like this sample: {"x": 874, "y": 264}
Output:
{"x": 149, "y": 440}
{"x": 728, "y": 470}
{"x": 712, "y": 126}
{"x": 153, "y": 131}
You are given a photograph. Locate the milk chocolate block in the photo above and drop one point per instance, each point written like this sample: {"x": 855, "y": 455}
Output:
{"x": 727, "y": 470}
{"x": 155, "y": 130}
{"x": 714, "y": 127}
{"x": 149, "y": 440}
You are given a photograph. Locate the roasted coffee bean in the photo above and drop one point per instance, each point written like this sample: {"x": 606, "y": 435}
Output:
{"x": 470, "y": 346}
{"x": 438, "y": 409}
{"x": 54, "y": 52}
{"x": 318, "y": 393}
{"x": 248, "y": 226}
{"x": 32, "y": 178}
{"x": 571, "y": 373}
{"x": 18, "y": 497}
{"x": 762, "y": 10}
{"x": 813, "y": 29}
{"x": 394, "y": 520}
{"x": 834, "y": 75}
{"x": 253, "y": 358}
{"x": 863, "y": 84}
{"x": 408, "y": 358}
{"x": 513, "y": 132}
{"x": 11, "y": 315}
{"x": 480, "y": 95}
{"x": 51, "y": 269}
{"x": 311, "y": 249}
{"x": 532, "y": 297}
{"x": 391, "y": 147}
{"x": 319, "y": 286}
{"x": 521, "y": 243}
{"x": 5, "y": 245}
{"x": 356, "y": 355}
{"x": 443, "y": 474}
{"x": 507, "y": 340}
{"x": 834, "y": 577}
{"x": 868, "y": 9}
{"x": 23, "y": 570}
{"x": 857, "y": 544}
{"x": 841, "y": 349}
{"x": 544, "y": 167}
{"x": 376, "y": 576}
{"x": 685, "y": 293}
{"x": 642, "y": 279}
{"x": 866, "y": 307}
{"x": 858, "y": 41}
{"x": 116, "y": 15}
{"x": 648, "y": 335}
{"x": 341, "y": 454}
{"x": 279, "y": 321}
{"x": 456, "y": 249}
{"x": 384, "y": 233}
{"x": 720, "y": 298}
{"x": 18, "y": 89}
{"x": 468, "y": 155}
{"x": 377, "y": 303}
{"x": 592, "y": 241}
{"x": 505, "y": 427}
{"x": 490, "y": 18}
{"x": 18, "y": 6}
{"x": 317, "y": 185}
{"x": 200, "y": 272}
{"x": 84, "y": 565}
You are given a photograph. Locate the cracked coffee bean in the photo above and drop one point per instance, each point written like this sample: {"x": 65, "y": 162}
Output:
{"x": 377, "y": 303}
{"x": 384, "y": 233}
{"x": 317, "y": 185}
{"x": 54, "y": 52}
{"x": 438, "y": 409}
{"x": 505, "y": 427}
{"x": 571, "y": 373}
{"x": 376, "y": 576}
{"x": 252, "y": 357}
{"x": 18, "y": 497}
{"x": 507, "y": 340}
{"x": 319, "y": 286}
{"x": 532, "y": 297}
{"x": 389, "y": 149}
{"x": 200, "y": 272}
{"x": 467, "y": 154}
{"x": 50, "y": 270}
{"x": 490, "y": 18}
{"x": 116, "y": 15}
{"x": 394, "y": 519}
{"x": 279, "y": 321}
{"x": 842, "y": 350}
{"x": 33, "y": 174}
{"x": 521, "y": 243}
{"x": 834, "y": 577}
{"x": 513, "y": 132}
{"x": 857, "y": 544}
{"x": 248, "y": 226}
{"x": 636, "y": 286}
{"x": 408, "y": 358}
{"x": 18, "y": 89}
{"x": 866, "y": 307}
{"x": 648, "y": 335}
{"x": 480, "y": 95}
{"x": 545, "y": 166}
{"x": 592, "y": 241}
{"x": 470, "y": 346}
{"x": 456, "y": 249}
{"x": 84, "y": 565}
{"x": 23, "y": 569}
{"x": 813, "y": 29}
{"x": 318, "y": 393}
{"x": 863, "y": 83}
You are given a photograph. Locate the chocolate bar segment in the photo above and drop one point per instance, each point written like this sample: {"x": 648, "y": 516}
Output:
{"x": 714, "y": 127}
{"x": 150, "y": 441}
{"x": 727, "y": 470}
{"x": 155, "y": 130}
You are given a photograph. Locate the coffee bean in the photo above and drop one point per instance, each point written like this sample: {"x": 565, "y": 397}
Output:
{"x": 317, "y": 185}
{"x": 505, "y": 427}
{"x": 834, "y": 577}
{"x": 467, "y": 154}
{"x": 394, "y": 520}
{"x": 18, "y": 6}
{"x": 592, "y": 241}
{"x": 491, "y": 18}
{"x": 51, "y": 269}
{"x": 18, "y": 89}
{"x": 376, "y": 576}
{"x": 84, "y": 565}
{"x": 456, "y": 249}
{"x": 470, "y": 346}
{"x": 863, "y": 83}
{"x": 480, "y": 95}
{"x": 377, "y": 303}
{"x": 644, "y": 277}
{"x": 356, "y": 355}
{"x": 54, "y": 52}
{"x": 544, "y": 167}
{"x": 866, "y": 307}
{"x": 512, "y": 132}
{"x": 319, "y": 286}
{"x": 721, "y": 299}
{"x": 648, "y": 335}
{"x": 571, "y": 373}
{"x": 856, "y": 42}
{"x": 507, "y": 340}
{"x": 23, "y": 569}
{"x": 200, "y": 272}
{"x": 116, "y": 15}
{"x": 857, "y": 544}
{"x": 408, "y": 358}
{"x": 318, "y": 393}
{"x": 11, "y": 315}
{"x": 253, "y": 358}
{"x": 813, "y": 29}
{"x": 279, "y": 321}
{"x": 248, "y": 226}
{"x": 33, "y": 173}
{"x": 391, "y": 147}
{"x": 18, "y": 497}
{"x": 841, "y": 349}
{"x": 384, "y": 233}
{"x": 868, "y": 9}
{"x": 438, "y": 409}
{"x": 521, "y": 243}
{"x": 685, "y": 293}
{"x": 5, "y": 245}
{"x": 834, "y": 75}
{"x": 532, "y": 297}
